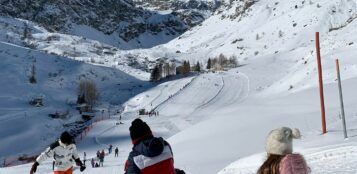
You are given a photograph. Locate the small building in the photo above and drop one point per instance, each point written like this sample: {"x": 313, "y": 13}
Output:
{"x": 87, "y": 115}
{"x": 60, "y": 115}
{"x": 38, "y": 102}
{"x": 84, "y": 108}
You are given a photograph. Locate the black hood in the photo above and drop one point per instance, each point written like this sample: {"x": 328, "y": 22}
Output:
{"x": 150, "y": 147}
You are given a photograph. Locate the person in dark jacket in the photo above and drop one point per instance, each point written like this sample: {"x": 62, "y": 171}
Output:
{"x": 92, "y": 162}
{"x": 101, "y": 158}
{"x": 110, "y": 149}
{"x": 116, "y": 152}
{"x": 98, "y": 154}
{"x": 149, "y": 155}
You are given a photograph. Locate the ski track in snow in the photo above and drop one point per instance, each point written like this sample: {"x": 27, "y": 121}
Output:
{"x": 232, "y": 83}
{"x": 214, "y": 97}
{"x": 173, "y": 95}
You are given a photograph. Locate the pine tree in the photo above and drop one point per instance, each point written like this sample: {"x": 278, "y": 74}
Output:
{"x": 155, "y": 74}
{"x": 33, "y": 74}
{"x": 81, "y": 99}
{"x": 209, "y": 63}
{"x": 198, "y": 67}
{"x": 27, "y": 32}
{"x": 188, "y": 67}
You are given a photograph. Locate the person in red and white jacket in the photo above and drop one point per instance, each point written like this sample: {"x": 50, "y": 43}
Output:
{"x": 149, "y": 155}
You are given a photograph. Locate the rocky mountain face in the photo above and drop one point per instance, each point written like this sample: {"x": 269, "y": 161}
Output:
{"x": 179, "y": 4}
{"x": 192, "y": 12}
{"x": 121, "y": 18}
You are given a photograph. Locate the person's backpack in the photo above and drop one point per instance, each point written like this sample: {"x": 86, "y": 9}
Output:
{"x": 178, "y": 171}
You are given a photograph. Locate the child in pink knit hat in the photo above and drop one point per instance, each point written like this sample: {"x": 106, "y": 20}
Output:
{"x": 280, "y": 159}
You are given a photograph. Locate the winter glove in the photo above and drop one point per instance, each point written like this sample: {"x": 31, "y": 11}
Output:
{"x": 34, "y": 167}
{"x": 178, "y": 171}
{"x": 82, "y": 168}
{"x": 80, "y": 164}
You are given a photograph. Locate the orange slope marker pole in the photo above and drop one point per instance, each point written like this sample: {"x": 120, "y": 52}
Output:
{"x": 319, "y": 67}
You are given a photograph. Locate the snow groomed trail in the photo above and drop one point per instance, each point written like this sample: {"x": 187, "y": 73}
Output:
{"x": 206, "y": 93}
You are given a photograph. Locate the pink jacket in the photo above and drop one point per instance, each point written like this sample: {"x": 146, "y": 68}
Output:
{"x": 293, "y": 164}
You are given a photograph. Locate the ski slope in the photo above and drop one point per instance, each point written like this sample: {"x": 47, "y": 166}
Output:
{"x": 217, "y": 122}
{"x": 166, "y": 125}
{"x": 244, "y": 128}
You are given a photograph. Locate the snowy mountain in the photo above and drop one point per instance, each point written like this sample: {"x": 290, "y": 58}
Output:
{"x": 126, "y": 25}
{"x": 29, "y": 34}
{"x": 192, "y": 12}
{"x": 256, "y": 31}
{"x": 216, "y": 122}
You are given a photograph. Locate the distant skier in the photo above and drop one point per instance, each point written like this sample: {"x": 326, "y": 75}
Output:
{"x": 84, "y": 158}
{"x": 280, "y": 159}
{"x": 92, "y": 162}
{"x": 101, "y": 158}
{"x": 110, "y": 149}
{"x": 150, "y": 155}
{"x": 116, "y": 152}
{"x": 63, "y": 152}
{"x": 98, "y": 154}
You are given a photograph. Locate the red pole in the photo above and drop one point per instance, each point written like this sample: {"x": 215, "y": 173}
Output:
{"x": 319, "y": 67}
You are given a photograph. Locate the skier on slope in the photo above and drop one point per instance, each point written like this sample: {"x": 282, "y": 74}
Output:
{"x": 101, "y": 158}
{"x": 84, "y": 158}
{"x": 280, "y": 159}
{"x": 116, "y": 152}
{"x": 150, "y": 155}
{"x": 63, "y": 152}
{"x": 110, "y": 149}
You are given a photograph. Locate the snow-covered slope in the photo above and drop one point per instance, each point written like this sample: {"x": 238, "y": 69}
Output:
{"x": 29, "y": 127}
{"x": 232, "y": 129}
{"x": 217, "y": 119}
{"x": 74, "y": 47}
{"x": 265, "y": 31}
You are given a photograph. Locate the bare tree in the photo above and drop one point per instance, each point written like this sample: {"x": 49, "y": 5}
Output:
{"x": 87, "y": 89}
{"x": 173, "y": 69}
{"x": 233, "y": 62}
{"x": 166, "y": 69}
